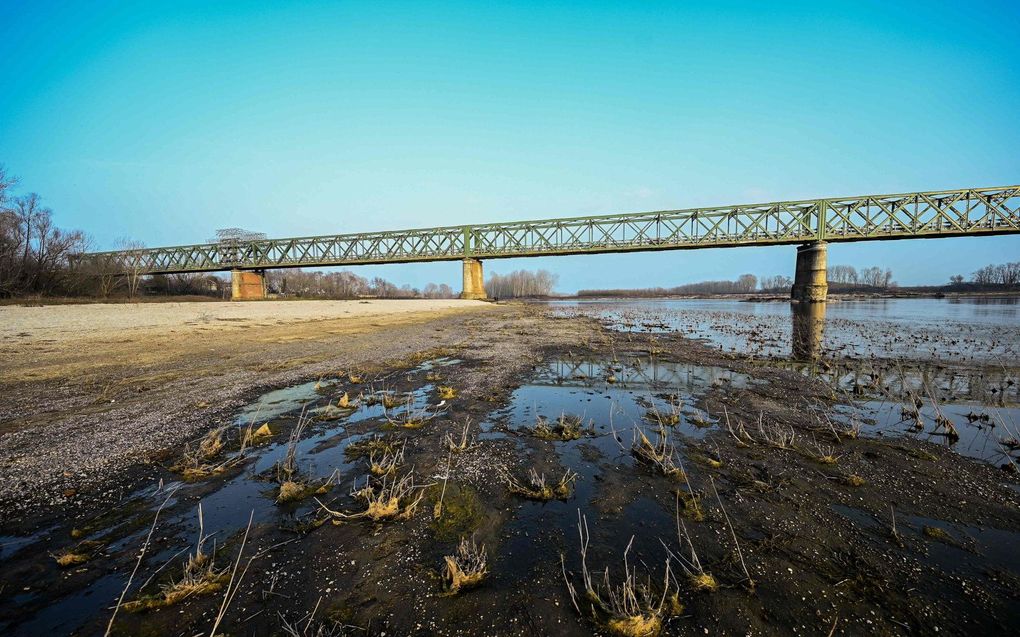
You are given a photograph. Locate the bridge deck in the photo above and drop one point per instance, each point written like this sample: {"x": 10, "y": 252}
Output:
{"x": 968, "y": 212}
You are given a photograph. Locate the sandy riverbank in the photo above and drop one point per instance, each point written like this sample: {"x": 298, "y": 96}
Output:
{"x": 21, "y": 326}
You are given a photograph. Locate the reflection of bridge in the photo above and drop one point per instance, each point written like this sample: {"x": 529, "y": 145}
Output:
{"x": 904, "y": 379}
{"x": 637, "y": 373}
{"x": 969, "y": 212}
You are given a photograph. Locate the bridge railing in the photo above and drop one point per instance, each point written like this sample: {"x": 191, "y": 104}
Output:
{"x": 923, "y": 214}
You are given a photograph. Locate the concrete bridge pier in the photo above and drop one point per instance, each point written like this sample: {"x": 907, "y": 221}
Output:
{"x": 474, "y": 282}
{"x": 808, "y": 330}
{"x": 247, "y": 285}
{"x": 809, "y": 282}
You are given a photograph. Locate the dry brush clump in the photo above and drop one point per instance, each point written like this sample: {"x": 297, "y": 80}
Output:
{"x": 252, "y": 436}
{"x": 200, "y": 576}
{"x": 670, "y": 415}
{"x": 292, "y": 487}
{"x": 822, "y": 454}
{"x": 768, "y": 432}
{"x": 629, "y": 607}
{"x": 466, "y": 568}
{"x": 776, "y": 435}
{"x": 387, "y": 398}
{"x": 464, "y": 443}
{"x": 384, "y": 500}
{"x": 535, "y": 486}
{"x": 697, "y": 576}
{"x": 411, "y": 417}
{"x": 661, "y": 454}
{"x": 78, "y": 554}
{"x": 375, "y": 443}
{"x": 200, "y": 460}
{"x": 564, "y": 428}
{"x": 851, "y": 431}
{"x": 384, "y": 463}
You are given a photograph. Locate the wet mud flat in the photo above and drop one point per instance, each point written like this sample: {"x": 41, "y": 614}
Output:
{"x": 723, "y": 495}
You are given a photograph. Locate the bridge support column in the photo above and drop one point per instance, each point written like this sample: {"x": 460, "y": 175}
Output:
{"x": 247, "y": 285}
{"x": 808, "y": 330}
{"x": 474, "y": 282}
{"x": 809, "y": 283}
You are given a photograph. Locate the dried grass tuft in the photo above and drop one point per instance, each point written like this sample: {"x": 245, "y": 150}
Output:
{"x": 536, "y": 488}
{"x": 384, "y": 463}
{"x": 200, "y": 577}
{"x": 464, "y": 443}
{"x": 629, "y": 608}
{"x": 466, "y": 568}
{"x": 378, "y": 444}
{"x": 661, "y": 455}
{"x": 563, "y": 428}
{"x": 388, "y": 499}
{"x": 671, "y": 415}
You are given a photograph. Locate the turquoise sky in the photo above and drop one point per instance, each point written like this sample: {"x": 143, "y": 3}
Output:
{"x": 164, "y": 121}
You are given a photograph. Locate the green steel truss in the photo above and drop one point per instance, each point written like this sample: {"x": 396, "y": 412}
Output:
{"x": 969, "y": 212}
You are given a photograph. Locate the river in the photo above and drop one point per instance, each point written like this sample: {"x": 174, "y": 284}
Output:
{"x": 959, "y": 330}
{"x": 956, "y": 359}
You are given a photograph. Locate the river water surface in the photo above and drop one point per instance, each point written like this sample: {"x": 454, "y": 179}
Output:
{"x": 952, "y": 330}
{"x": 908, "y": 364}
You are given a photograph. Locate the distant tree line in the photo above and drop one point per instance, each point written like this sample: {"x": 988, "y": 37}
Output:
{"x": 1003, "y": 274}
{"x": 521, "y": 283}
{"x": 849, "y": 276}
{"x": 777, "y": 283}
{"x": 744, "y": 284}
{"x": 347, "y": 285}
{"x": 839, "y": 277}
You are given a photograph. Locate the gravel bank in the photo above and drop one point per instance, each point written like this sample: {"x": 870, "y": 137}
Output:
{"x": 90, "y": 391}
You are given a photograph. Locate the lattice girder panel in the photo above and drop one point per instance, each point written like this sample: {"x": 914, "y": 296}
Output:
{"x": 923, "y": 214}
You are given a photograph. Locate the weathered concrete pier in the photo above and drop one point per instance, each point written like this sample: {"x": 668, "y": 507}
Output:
{"x": 247, "y": 285}
{"x": 474, "y": 281}
{"x": 810, "y": 282}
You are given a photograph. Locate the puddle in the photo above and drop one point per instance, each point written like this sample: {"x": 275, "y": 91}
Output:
{"x": 950, "y": 546}
{"x": 616, "y": 395}
{"x": 281, "y": 401}
{"x": 983, "y": 406}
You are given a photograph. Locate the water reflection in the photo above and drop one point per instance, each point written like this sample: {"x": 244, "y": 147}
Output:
{"x": 808, "y": 330}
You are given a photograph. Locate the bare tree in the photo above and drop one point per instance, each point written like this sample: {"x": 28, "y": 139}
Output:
{"x": 777, "y": 283}
{"x": 6, "y": 182}
{"x": 984, "y": 276}
{"x": 747, "y": 282}
{"x": 843, "y": 274}
{"x": 132, "y": 263}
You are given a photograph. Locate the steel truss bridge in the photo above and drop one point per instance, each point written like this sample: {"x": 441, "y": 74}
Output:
{"x": 949, "y": 213}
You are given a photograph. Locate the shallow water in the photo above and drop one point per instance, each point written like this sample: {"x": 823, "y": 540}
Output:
{"x": 958, "y": 358}
{"x": 973, "y": 330}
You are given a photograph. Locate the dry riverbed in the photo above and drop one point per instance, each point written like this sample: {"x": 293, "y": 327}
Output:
{"x": 760, "y": 504}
